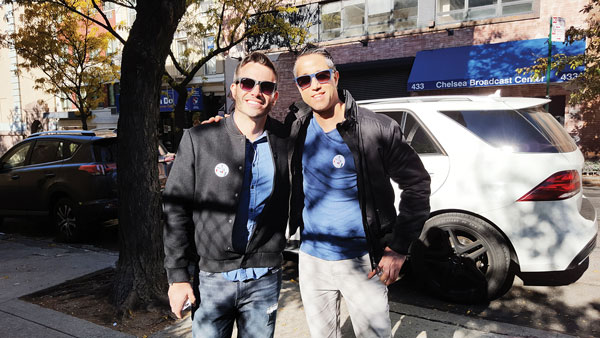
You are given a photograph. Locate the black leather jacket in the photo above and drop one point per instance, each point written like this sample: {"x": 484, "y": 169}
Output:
{"x": 380, "y": 153}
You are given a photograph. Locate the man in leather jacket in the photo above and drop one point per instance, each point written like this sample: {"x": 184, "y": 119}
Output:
{"x": 341, "y": 160}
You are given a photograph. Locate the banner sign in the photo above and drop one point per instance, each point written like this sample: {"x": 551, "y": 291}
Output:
{"x": 488, "y": 65}
{"x": 168, "y": 99}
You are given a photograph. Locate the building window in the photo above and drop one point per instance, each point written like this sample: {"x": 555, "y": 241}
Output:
{"x": 106, "y": 6}
{"x": 210, "y": 67}
{"x": 353, "y": 17}
{"x": 65, "y": 104}
{"x": 450, "y": 11}
{"x": 331, "y": 20}
{"x": 131, "y": 14}
{"x": 405, "y": 14}
{"x": 181, "y": 46}
{"x": 350, "y": 18}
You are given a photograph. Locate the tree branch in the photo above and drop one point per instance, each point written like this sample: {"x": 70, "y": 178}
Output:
{"x": 177, "y": 65}
{"x": 106, "y": 25}
{"x": 221, "y": 18}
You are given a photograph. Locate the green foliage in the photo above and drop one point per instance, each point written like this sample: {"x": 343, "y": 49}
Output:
{"x": 587, "y": 84}
{"x": 231, "y": 22}
{"x": 292, "y": 23}
{"x": 69, "y": 50}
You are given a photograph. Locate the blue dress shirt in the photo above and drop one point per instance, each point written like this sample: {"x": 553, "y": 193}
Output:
{"x": 256, "y": 188}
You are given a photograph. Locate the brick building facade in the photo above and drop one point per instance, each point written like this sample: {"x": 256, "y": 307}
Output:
{"x": 382, "y": 62}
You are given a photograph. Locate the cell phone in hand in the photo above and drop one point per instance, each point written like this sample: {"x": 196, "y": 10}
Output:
{"x": 186, "y": 306}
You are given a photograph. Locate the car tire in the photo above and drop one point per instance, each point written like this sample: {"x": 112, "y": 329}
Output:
{"x": 66, "y": 219}
{"x": 462, "y": 259}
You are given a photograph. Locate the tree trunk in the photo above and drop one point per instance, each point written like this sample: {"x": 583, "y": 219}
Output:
{"x": 140, "y": 279}
{"x": 83, "y": 116}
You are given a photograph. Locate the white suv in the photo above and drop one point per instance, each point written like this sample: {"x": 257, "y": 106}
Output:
{"x": 506, "y": 194}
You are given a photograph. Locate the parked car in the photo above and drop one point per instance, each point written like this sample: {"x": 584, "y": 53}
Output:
{"x": 69, "y": 176}
{"x": 506, "y": 194}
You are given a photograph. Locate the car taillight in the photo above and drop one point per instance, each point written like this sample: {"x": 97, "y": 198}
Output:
{"x": 560, "y": 186}
{"x": 98, "y": 169}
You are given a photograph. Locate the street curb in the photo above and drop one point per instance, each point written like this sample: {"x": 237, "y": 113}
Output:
{"x": 473, "y": 323}
{"x": 54, "y": 322}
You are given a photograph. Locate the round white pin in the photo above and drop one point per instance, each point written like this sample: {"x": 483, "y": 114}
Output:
{"x": 221, "y": 170}
{"x": 338, "y": 161}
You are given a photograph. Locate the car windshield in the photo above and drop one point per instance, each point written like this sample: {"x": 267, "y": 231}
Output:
{"x": 530, "y": 130}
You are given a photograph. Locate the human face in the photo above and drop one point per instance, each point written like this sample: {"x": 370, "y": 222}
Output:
{"x": 321, "y": 97}
{"x": 254, "y": 103}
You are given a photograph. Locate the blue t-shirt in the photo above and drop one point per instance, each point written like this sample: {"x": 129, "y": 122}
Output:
{"x": 333, "y": 227}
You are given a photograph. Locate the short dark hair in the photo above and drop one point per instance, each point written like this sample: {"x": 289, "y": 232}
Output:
{"x": 313, "y": 49}
{"x": 256, "y": 57}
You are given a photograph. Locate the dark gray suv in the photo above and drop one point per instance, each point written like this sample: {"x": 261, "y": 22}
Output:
{"x": 68, "y": 176}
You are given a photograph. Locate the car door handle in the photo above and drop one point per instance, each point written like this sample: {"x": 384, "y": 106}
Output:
{"x": 50, "y": 175}
{"x": 15, "y": 177}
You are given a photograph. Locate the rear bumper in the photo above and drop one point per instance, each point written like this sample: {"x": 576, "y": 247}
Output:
{"x": 100, "y": 210}
{"x": 583, "y": 254}
{"x": 549, "y": 235}
{"x": 588, "y": 212}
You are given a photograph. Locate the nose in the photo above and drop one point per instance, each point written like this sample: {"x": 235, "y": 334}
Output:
{"x": 255, "y": 90}
{"x": 315, "y": 82}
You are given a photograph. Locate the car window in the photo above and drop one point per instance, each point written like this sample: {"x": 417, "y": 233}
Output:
{"x": 398, "y": 116}
{"x": 45, "y": 151}
{"x": 106, "y": 150}
{"x": 527, "y": 130}
{"x": 417, "y": 137}
{"x": 67, "y": 148}
{"x": 16, "y": 156}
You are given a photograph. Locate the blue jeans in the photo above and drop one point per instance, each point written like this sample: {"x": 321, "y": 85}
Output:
{"x": 251, "y": 304}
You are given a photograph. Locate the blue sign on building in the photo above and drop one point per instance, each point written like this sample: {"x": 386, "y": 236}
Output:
{"x": 168, "y": 99}
{"x": 488, "y": 65}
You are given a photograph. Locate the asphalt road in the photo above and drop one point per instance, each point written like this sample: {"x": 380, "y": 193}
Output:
{"x": 572, "y": 309}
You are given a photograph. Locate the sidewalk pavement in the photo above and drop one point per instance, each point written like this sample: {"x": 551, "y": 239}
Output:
{"x": 30, "y": 265}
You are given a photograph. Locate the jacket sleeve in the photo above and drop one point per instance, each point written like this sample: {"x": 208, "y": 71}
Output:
{"x": 178, "y": 207}
{"x": 406, "y": 169}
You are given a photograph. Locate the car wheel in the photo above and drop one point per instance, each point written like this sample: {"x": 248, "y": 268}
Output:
{"x": 463, "y": 259}
{"x": 66, "y": 219}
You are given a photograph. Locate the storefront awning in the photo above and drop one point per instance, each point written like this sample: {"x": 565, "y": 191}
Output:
{"x": 487, "y": 65}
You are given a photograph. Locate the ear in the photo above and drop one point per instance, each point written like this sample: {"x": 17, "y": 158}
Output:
{"x": 275, "y": 97}
{"x": 233, "y": 89}
{"x": 336, "y": 77}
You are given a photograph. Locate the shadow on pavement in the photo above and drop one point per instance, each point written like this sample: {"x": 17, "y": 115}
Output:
{"x": 542, "y": 308}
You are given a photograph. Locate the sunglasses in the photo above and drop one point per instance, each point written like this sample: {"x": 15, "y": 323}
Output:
{"x": 266, "y": 87}
{"x": 323, "y": 76}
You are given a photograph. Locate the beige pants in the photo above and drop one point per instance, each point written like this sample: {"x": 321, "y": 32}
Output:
{"x": 323, "y": 282}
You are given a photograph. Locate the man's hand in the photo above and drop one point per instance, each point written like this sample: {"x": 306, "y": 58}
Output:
{"x": 389, "y": 266}
{"x": 179, "y": 293}
{"x": 213, "y": 119}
